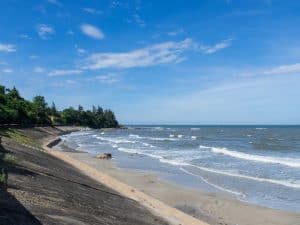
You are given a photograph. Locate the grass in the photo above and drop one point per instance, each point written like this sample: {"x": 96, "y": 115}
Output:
{"x": 9, "y": 158}
{"x": 19, "y": 137}
{"x": 3, "y": 177}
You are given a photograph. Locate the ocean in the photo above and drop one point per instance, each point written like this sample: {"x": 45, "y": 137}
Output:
{"x": 256, "y": 164}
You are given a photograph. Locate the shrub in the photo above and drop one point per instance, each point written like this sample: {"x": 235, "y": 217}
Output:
{"x": 3, "y": 177}
{"x": 9, "y": 158}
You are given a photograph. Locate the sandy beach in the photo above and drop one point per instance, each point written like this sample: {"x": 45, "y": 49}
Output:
{"x": 211, "y": 208}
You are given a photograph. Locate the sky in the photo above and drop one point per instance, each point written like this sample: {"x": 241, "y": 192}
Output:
{"x": 158, "y": 62}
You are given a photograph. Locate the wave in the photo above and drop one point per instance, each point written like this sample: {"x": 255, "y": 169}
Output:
{"x": 291, "y": 184}
{"x": 261, "y": 128}
{"x": 147, "y": 145}
{"x": 183, "y": 163}
{"x": 134, "y": 136}
{"x": 161, "y": 139}
{"x": 258, "y": 158}
{"x": 202, "y": 146}
{"x": 135, "y": 151}
{"x": 212, "y": 184}
{"x": 195, "y": 128}
{"x": 116, "y": 141}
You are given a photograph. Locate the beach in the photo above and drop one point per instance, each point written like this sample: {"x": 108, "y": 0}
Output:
{"x": 61, "y": 185}
{"x": 211, "y": 208}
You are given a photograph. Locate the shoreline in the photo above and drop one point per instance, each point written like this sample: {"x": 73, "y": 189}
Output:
{"x": 205, "y": 206}
{"x": 170, "y": 214}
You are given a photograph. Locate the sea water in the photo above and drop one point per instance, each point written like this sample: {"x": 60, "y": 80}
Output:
{"x": 258, "y": 164}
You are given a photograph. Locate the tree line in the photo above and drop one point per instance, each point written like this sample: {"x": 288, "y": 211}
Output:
{"x": 14, "y": 109}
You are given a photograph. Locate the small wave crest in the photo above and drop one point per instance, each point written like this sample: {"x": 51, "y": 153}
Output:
{"x": 263, "y": 159}
{"x": 184, "y": 163}
{"x": 116, "y": 141}
{"x": 212, "y": 184}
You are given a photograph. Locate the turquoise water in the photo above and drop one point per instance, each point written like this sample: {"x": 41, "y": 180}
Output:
{"x": 258, "y": 164}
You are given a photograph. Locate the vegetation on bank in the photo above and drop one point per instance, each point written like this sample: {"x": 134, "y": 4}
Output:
{"x": 14, "y": 109}
{"x": 19, "y": 137}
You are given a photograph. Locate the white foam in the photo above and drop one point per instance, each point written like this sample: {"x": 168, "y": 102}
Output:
{"x": 147, "y": 145}
{"x": 171, "y": 135}
{"x": 258, "y": 158}
{"x": 134, "y": 136}
{"x": 160, "y": 139}
{"x": 183, "y": 162}
{"x": 261, "y": 128}
{"x": 116, "y": 141}
{"x": 136, "y": 151}
{"x": 205, "y": 147}
{"x": 129, "y": 150}
{"x": 194, "y": 137}
{"x": 286, "y": 183}
{"x": 214, "y": 185}
{"x": 179, "y": 135}
{"x": 195, "y": 128}
{"x": 173, "y": 162}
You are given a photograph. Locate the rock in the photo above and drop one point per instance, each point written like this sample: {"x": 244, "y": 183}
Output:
{"x": 104, "y": 156}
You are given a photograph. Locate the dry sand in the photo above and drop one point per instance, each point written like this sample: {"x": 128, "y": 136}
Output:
{"x": 179, "y": 205}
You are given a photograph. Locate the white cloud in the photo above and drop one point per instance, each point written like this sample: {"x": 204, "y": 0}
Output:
{"x": 38, "y": 69}
{"x": 7, "y": 48}
{"x": 81, "y": 50}
{"x": 92, "y": 31}
{"x": 33, "y": 56}
{"x": 176, "y": 32}
{"x": 116, "y": 3}
{"x": 109, "y": 78}
{"x": 64, "y": 72}
{"x": 55, "y": 2}
{"x": 163, "y": 53}
{"x": 65, "y": 84}
{"x": 44, "y": 31}
{"x": 292, "y": 68}
{"x": 92, "y": 11}
{"x": 7, "y": 70}
{"x": 217, "y": 47}
{"x": 25, "y": 36}
{"x": 137, "y": 19}
{"x": 70, "y": 32}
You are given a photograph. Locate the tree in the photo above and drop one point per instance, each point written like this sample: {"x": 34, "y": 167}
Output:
{"x": 16, "y": 110}
{"x": 39, "y": 106}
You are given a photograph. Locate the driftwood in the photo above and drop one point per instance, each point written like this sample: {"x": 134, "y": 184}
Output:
{"x": 104, "y": 156}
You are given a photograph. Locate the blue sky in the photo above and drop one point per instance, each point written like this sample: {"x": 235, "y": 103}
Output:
{"x": 171, "y": 62}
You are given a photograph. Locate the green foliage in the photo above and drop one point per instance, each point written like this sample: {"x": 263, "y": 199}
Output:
{"x": 19, "y": 137}
{"x": 3, "y": 177}
{"x": 16, "y": 110}
{"x": 9, "y": 158}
